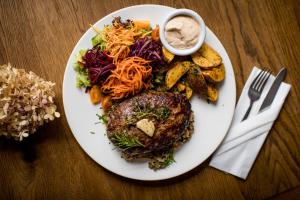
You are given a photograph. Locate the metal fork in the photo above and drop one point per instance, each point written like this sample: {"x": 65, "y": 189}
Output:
{"x": 256, "y": 88}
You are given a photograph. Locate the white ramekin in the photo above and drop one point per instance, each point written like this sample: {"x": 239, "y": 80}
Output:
{"x": 187, "y": 12}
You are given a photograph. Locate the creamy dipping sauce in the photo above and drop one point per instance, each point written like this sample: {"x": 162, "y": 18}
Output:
{"x": 182, "y": 32}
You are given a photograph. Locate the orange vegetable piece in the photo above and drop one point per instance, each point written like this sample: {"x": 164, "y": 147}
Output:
{"x": 142, "y": 24}
{"x": 106, "y": 103}
{"x": 155, "y": 33}
{"x": 95, "y": 95}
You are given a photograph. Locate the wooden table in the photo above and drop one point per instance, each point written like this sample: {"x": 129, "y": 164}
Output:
{"x": 40, "y": 35}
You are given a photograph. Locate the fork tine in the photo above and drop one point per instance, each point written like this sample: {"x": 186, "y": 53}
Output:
{"x": 259, "y": 80}
{"x": 267, "y": 72}
{"x": 254, "y": 81}
{"x": 265, "y": 81}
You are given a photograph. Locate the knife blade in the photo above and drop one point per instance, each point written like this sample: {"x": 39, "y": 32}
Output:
{"x": 273, "y": 90}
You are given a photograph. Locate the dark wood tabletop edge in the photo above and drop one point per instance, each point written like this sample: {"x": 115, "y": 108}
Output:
{"x": 290, "y": 194}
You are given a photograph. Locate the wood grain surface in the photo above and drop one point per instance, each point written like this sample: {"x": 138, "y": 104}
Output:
{"x": 40, "y": 35}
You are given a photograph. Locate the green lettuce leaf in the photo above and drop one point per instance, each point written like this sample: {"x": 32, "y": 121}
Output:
{"x": 82, "y": 77}
{"x": 98, "y": 40}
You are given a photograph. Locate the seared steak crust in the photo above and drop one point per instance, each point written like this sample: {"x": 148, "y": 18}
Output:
{"x": 167, "y": 131}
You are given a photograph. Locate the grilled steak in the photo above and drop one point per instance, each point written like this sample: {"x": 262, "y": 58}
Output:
{"x": 169, "y": 113}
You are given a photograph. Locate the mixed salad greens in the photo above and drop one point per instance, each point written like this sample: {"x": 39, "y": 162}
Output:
{"x": 116, "y": 46}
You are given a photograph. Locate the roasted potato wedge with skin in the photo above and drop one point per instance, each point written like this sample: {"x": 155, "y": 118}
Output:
{"x": 181, "y": 87}
{"x": 210, "y": 54}
{"x": 196, "y": 81}
{"x": 214, "y": 75}
{"x": 212, "y": 93}
{"x": 176, "y": 72}
{"x": 188, "y": 92}
{"x": 206, "y": 57}
{"x": 168, "y": 56}
{"x": 201, "y": 61}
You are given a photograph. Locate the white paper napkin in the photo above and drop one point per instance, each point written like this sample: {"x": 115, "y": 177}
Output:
{"x": 241, "y": 146}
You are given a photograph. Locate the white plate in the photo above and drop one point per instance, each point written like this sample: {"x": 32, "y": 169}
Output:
{"x": 211, "y": 120}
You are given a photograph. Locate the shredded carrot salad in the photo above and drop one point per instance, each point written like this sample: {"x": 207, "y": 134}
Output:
{"x": 119, "y": 40}
{"x": 130, "y": 76}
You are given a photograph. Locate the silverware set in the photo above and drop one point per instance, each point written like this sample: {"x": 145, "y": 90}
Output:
{"x": 257, "y": 86}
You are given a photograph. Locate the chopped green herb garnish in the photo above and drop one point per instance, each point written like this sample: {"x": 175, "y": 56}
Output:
{"x": 159, "y": 79}
{"x": 102, "y": 119}
{"x": 124, "y": 142}
{"x": 169, "y": 159}
{"x": 162, "y": 161}
{"x": 175, "y": 90}
{"x": 145, "y": 32}
{"x": 161, "y": 113}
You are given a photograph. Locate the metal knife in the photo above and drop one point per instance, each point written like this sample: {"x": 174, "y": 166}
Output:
{"x": 273, "y": 90}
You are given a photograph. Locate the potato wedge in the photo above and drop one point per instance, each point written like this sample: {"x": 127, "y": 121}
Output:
{"x": 196, "y": 81}
{"x": 201, "y": 61}
{"x": 206, "y": 57}
{"x": 188, "y": 92}
{"x": 212, "y": 93}
{"x": 181, "y": 87}
{"x": 176, "y": 72}
{"x": 210, "y": 54}
{"x": 214, "y": 75}
{"x": 168, "y": 56}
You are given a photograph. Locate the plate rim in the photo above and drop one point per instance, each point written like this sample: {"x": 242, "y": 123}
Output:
{"x": 67, "y": 118}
